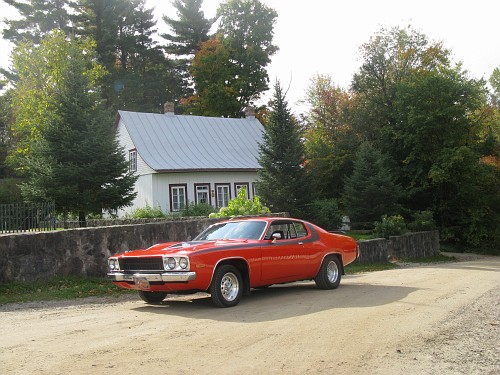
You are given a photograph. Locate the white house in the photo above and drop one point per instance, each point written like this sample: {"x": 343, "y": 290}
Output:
{"x": 181, "y": 159}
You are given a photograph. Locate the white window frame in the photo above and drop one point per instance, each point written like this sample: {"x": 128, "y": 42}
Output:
{"x": 203, "y": 189}
{"x": 220, "y": 195}
{"x": 239, "y": 185}
{"x": 132, "y": 160}
{"x": 178, "y": 201}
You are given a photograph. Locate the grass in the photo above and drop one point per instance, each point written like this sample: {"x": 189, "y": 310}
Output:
{"x": 60, "y": 288}
{"x": 354, "y": 268}
{"x": 360, "y": 235}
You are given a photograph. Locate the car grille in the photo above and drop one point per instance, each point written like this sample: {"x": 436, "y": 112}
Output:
{"x": 141, "y": 264}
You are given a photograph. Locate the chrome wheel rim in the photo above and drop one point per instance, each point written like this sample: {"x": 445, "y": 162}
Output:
{"x": 332, "y": 271}
{"x": 229, "y": 286}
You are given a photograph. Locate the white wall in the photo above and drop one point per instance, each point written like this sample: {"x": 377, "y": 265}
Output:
{"x": 161, "y": 183}
{"x": 154, "y": 189}
{"x": 126, "y": 142}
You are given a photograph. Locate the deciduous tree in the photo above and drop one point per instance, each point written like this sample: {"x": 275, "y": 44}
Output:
{"x": 330, "y": 143}
{"x": 245, "y": 35}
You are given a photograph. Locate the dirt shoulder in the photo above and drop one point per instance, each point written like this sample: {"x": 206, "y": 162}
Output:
{"x": 434, "y": 319}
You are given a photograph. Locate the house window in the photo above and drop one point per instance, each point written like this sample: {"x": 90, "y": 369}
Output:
{"x": 132, "y": 160}
{"x": 202, "y": 193}
{"x": 240, "y": 185}
{"x": 255, "y": 189}
{"x": 178, "y": 197}
{"x": 223, "y": 192}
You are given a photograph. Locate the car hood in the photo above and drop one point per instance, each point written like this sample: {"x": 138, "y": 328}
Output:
{"x": 188, "y": 247}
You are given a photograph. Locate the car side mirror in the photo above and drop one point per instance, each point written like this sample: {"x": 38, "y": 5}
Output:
{"x": 276, "y": 236}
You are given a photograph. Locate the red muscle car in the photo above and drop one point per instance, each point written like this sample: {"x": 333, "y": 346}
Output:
{"x": 231, "y": 257}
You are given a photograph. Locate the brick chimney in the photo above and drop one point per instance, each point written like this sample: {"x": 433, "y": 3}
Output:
{"x": 250, "y": 112}
{"x": 169, "y": 108}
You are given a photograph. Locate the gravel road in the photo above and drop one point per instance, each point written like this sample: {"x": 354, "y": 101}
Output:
{"x": 439, "y": 319}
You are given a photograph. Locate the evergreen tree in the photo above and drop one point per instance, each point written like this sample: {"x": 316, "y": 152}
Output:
{"x": 141, "y": 78}
{"x": 188, "y": 32}
{"x": 282, "y": 181}
{"x": 76, "y": 160}
{"x": 38, "y": 17}
{"x": 370, "y": 191}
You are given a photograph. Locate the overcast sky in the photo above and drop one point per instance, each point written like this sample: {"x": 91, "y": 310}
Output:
{"x": 324, "y": 36}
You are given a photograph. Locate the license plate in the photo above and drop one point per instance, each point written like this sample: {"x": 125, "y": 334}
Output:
{"x": 141, "y": 282}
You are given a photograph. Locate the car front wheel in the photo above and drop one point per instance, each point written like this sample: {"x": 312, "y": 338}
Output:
{"x": 152, "y": 297}
{"x": 227, "y": 286}
{"x": 329, "y": 274}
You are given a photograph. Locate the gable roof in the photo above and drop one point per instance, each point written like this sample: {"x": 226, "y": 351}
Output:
{"x": 168, "y": 142}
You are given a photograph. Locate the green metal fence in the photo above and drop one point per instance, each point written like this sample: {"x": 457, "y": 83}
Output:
{"x": 27, "y": 217}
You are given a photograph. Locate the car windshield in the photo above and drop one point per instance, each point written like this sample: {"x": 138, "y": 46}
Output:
{"x": 233, "y": 230}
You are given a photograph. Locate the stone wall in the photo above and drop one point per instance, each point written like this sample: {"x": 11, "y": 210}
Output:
{"x": 40, "y": 256}
{"x": 409, "y": 246}
{"x": 28, "y": 257}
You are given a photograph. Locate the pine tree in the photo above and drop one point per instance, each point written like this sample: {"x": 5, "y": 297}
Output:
{"x": 76, "y": 161}
{"x": 370, "y": 191}
{"x": 189, "y": 31}
{"x": 282, "y": 181}
{"x": 140, "y": 77}
{"x": 38, "y": 17}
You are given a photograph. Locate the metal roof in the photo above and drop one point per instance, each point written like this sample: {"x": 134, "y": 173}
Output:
{"x": 168, "y": 142}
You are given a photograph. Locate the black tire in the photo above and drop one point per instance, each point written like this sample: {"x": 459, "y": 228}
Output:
{"x": 152, "y": 297}
{"x": 227, "y": 286}
{"x": 329, "y": 274}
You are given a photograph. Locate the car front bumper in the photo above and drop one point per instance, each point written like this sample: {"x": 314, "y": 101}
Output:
{"x": 166, "y": 277}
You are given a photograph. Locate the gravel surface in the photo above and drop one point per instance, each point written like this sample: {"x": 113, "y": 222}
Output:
{"x": 430, "y": 319}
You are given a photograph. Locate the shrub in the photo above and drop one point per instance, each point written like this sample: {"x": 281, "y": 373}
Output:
{"x": 390, "y": 226}
{"x": 422, "y": 221}
{"x": 200, "y": 209}
{"x": 148, "y": 212}
{"x": 325, "y": 213}
{"x": 241, "y": 206}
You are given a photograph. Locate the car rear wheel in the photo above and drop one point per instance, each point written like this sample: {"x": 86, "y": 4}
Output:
{"x": 329, "y": 274}
{"x": 152, "y": 297}
{"x": 227, "y": 286}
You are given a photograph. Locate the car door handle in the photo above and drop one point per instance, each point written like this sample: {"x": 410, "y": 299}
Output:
{"x": 301, "y": 243}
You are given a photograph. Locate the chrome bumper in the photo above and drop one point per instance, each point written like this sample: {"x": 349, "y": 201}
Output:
{"x": 167, "y": 277}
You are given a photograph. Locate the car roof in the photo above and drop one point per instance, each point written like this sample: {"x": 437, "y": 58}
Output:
{"x": 262, "y": 218}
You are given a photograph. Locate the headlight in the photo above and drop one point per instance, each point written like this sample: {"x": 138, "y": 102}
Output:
{"x": 176, "y": 263}
{"x": 113, "y": 264}
{"x": 183, "y": 263}
{"x": 171, "y": 263}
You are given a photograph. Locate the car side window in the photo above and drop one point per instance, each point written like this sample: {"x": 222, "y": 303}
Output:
{"x": 273, "y": 228}
{"x": 300, "y": 229}
{"x": 287, "y": 229}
